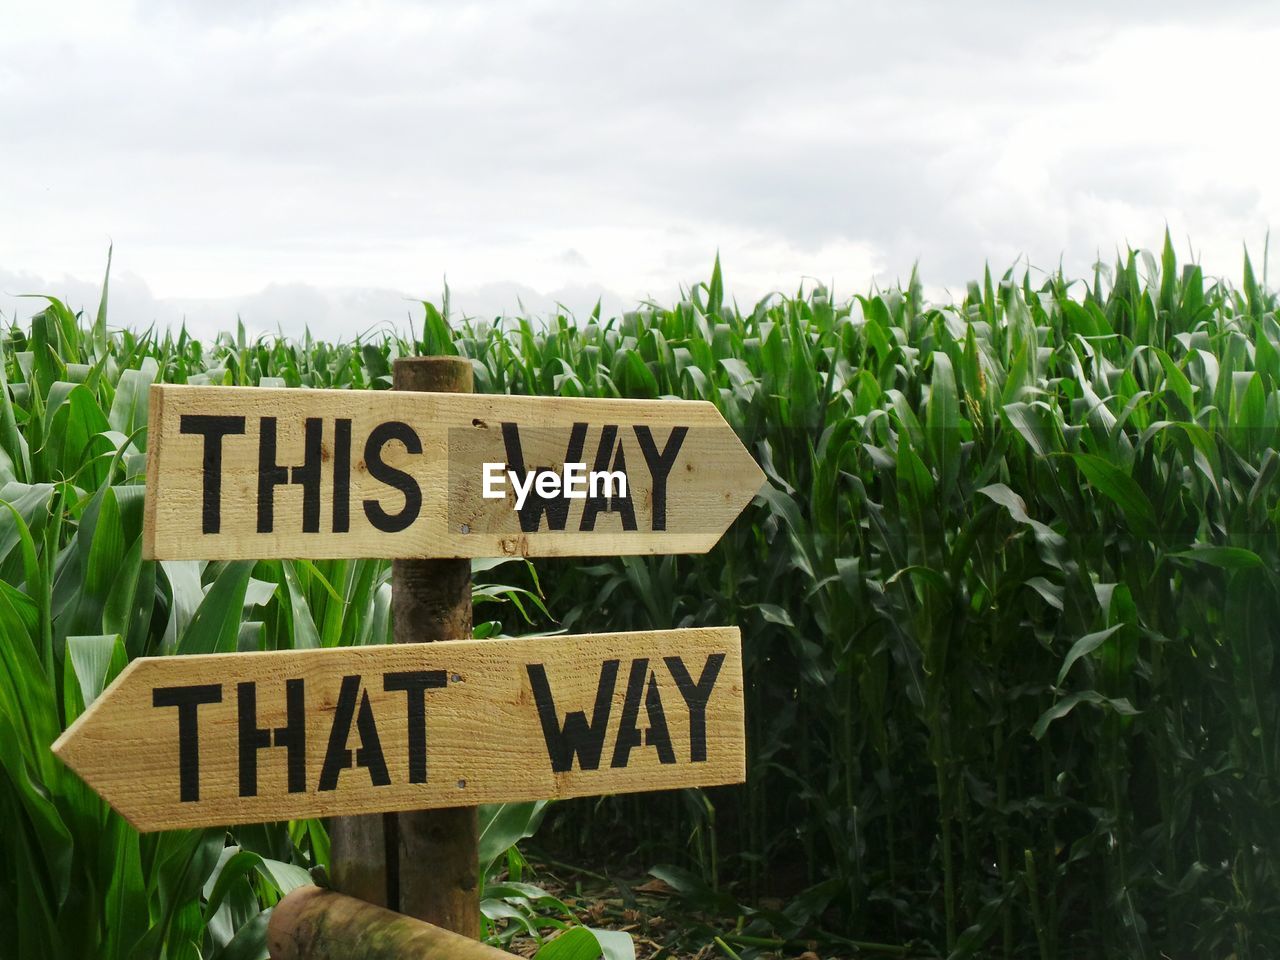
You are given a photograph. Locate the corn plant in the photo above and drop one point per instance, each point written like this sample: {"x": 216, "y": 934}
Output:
{"x": 1005, "y": 602}
{"x": 1006, "y": 605}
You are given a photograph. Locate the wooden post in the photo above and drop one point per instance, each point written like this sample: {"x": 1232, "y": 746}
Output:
{"x": 424, "y": 864}
{"x": 315, "y": 924}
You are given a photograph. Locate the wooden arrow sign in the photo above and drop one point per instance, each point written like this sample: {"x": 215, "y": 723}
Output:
{"x": 250, "y": 737}
{"x": 246, "y": 472}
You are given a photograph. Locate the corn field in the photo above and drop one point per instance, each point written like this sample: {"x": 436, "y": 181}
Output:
{"x": 1008, "y": 607}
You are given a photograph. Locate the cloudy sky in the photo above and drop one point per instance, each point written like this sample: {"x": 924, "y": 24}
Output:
{"x": 326, "y": 163}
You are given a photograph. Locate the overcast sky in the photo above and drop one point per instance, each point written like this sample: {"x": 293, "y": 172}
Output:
{"x": 325, "y": 163}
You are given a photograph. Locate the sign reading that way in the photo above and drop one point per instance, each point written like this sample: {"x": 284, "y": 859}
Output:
{"x": 266, "y": 473}
{"x": 194, "y": 741}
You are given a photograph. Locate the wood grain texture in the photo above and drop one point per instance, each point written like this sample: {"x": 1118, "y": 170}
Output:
{"x": 315, "y": 924}
{"x": 436, "y": 871}
{"x": 678, "y": 507}
{"x": 390, "y": 858}
{"x": 486, "y": 736}
{"x": 361, "y": 857}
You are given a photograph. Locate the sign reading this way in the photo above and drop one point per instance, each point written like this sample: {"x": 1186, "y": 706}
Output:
{"x": 219, "y": 739}
{"x": 266, "y": 473}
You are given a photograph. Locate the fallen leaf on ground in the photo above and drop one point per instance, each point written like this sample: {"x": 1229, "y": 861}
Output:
{"x": 655, "y": 886}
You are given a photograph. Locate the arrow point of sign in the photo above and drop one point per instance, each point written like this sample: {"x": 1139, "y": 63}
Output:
{"x": 60, "y": 750}
{"x": 65, "y": 747}
{"x": 745, "y": 480}
{"x": 69, "y": 748}
{"x": 82, "y": 753}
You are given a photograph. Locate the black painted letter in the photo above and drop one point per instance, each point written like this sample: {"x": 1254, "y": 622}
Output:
{"x": 369, "y": 755}
{"x": 660, "y": 465}
{"x": 556, "y": 508}
{"x": 621, "y": 505}
{"x": 271, "y": 474}
{"x": 188, "y": 700}
{"x": 416, "y": 683}
{"x": 213, "y": 429}
{"x": 577, "y": 736}
{"x": 656, "y": 735}
{"x": 292, "y": 736}
{"x": 696, "y": 696}
{"x": 341, "y": 476}
{"x": 379, "y": 470}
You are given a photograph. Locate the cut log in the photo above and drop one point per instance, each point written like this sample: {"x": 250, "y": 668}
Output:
{"x": 315, "y": 924}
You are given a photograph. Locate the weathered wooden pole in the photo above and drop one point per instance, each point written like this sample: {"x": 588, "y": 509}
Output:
{"x": 425, "y": 863}
{"x": 315, "y": 924}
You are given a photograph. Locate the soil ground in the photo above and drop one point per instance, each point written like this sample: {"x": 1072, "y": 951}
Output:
{"x": 661, "y": 927}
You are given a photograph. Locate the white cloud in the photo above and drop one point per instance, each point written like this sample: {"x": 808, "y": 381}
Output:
{"x": 326, "y": 162}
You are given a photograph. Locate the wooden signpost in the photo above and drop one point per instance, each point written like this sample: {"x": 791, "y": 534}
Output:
{"x": 427, "y": 475}
{"x": 266, "y": 473}
{"x": 195, "y": 741}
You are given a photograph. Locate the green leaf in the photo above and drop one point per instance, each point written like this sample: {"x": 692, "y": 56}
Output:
{"x": 234, "y": 866}
{"x": 1177, "y": 381}
{"x": 1063, "y": 707}
{"x": 106, "y": 550}
{"x": 119, "y": 609}
{"x": 186, "y": 595}
{"x": 1083, "y": 647}
{"x": 1121, "y": 489}
{"x": 942, "y": 419}
{"x": 283, "y": 877}
{"x": 1035, "y": 424}
{"x": 96, "y": 660}
{"x": 614, "y": 944}
{"x": 12, "y": 442}
{"x": 1229, "y": 558}
{"x": 305, "y": 636}
{"x": 40, "y": 813}
{"x": 250, "y": 941}
{"x": 715, "y": 290}
{"x": 576, "y": 943}
{"x": 129, "y": 406}
{"x": 73, "y": 420}
{"x": 1051, "y": 544}
{"x": 30, "y": 503}
{"x": 99, "y": 333}
{"x": 215, "y": 628}
{"x": 126, "y": 895}
{"x": 502, "y": 825}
